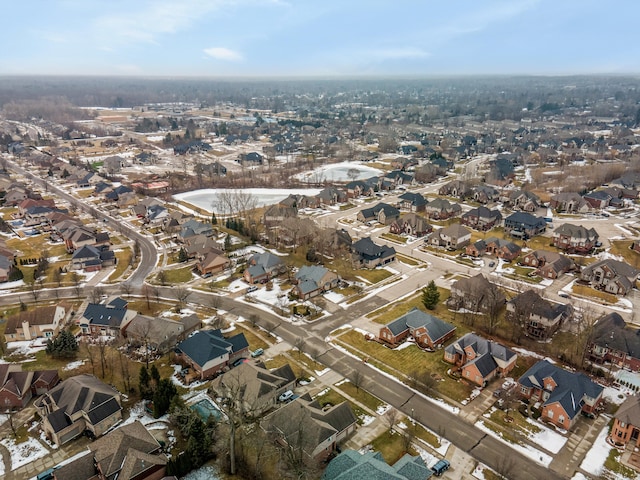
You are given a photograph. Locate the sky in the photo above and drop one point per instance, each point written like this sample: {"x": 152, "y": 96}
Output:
{"x": 283, "y": 38}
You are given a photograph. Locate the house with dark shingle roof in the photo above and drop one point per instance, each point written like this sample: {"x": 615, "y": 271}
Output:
{"x": 548, "y": 264}
{"x": 476, "y": 294}
{"x": 480, "y": 360}
{"x": 262, "y": 267}
{"x": 441, "y": 209}
{"x": 381, "y": 213}
{"x": 524, "y": 225}
{"x": 427, "y": 331}
{"x": 539, "y": 318}
{"x": 616, "y": 343}
{"x": 353, "y": 465}
{"x": 129, "y": 452}
{"x": 208, "y": 352}
{"x": 77, "y": 404}
{"x": 481, "y": 218}
{"x": 314, "y": 280}
{"x": 612, "y": 276}
{"x": 626, "y": 423}
{"x": 104, "y": 319}
{"x": 41, "y": 322}
{"x": 411, "y": 224}
{"x": 575, "y": 238}
{"x": 305, "y": 426}
{"x": 414, "y": 202}
{"x": 253, "y": 386}
{"x": 370, "y": 255}
{"x": 452, "y": 237}
{"x": 563, "y": 394}
{"x": 501, "y": 248}
{"x": 18, "y": 387}
{"x": 598, "y": 199}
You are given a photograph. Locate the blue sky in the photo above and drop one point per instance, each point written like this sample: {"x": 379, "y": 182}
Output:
{"x": 318, "y": 37}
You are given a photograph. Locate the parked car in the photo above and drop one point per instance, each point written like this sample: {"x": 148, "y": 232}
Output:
{"x": 285, "y": 396}
{"x": 252, "y": 288}
{"x": 492, "y": 264}
{"x": 257, "y": 352}
{"x": 563, "y": 295}
{"x": 440, "y": 467}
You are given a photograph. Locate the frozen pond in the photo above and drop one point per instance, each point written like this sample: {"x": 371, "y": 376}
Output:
{"x": 339, "y": 172}
{"x": 211, "y": 199}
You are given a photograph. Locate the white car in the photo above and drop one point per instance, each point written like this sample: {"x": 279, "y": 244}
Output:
{"x": 285, "y": 396}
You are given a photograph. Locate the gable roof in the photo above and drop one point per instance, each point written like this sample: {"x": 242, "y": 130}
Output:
{"x": 352, "y": 465}
{"x": 537, "y": 305}
{"x": 611, "y": 331}
{"x": 366, "y": 248}
{"x": 570, "y": 390}
{"x": 414, "y": 319}
{"x": 37, "y": 316}
{"x": 206, "y": 345}
{"x": 629, "y": 411}
{"x": 99, "y": 314}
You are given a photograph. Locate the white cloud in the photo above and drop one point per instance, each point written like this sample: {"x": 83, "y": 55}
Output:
{"x": 222, "y": 53}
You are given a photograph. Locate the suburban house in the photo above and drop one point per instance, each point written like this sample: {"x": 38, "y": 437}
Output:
{"x": 78, "y": 236}
{"x": 615, "y": 343}
{"x": 612, "y": 276}
{"x": 78, "y": 404}
{"x": 548, "y": 264}
{"x": 456, "y": 188}
{"x": 411, "y": 224}
{"x": 481, "y": 218}
{"x": 563, "y": 394}
{"x": 484, "y": 193}
{"x": 274, "y": 215}
{"x": 523, "y": 200}
{"x": 213, "y": 262}
{"x": 194, "y": 227}
{"x": 500, "y": 248}
{"x": 208, "y": 352}
{"x": 598, "y": 199}
{"x": 351, "y": 464}
{"x": 41, "y": 322}
{"x": 569, "y": 202}
{"x": 331, "y": 196}
{"x": 381, "y": 213}
{"x": 480, "y": 360}
{"x": 129, "y": 452}
{"x": 159, "y": 334}
{"x": 427, "y": 331}
{"x": 91, "y": 259}
{"x": 100, "y": 319}
{"x": 305, "y": 426}
{"x": 575, "y": 238}
{"x": 314, "y": 280}
{"x": 254, "y": 387}
{"x": 524, "y": 225}
{"x": 441, "y": 209}
{"x": 367, "y": 254}
{"x": 626, "y": 423}
{"x": 262, "y": 267}
{"x": 414, "y": 202}
{"x": 476, "y": 294}
{"x": 18, "y": 387}
{"x": 452, "y": 237}
{"x": 538, "y": 318}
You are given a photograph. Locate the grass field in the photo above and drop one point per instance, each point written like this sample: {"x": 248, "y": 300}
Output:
{"x": 123, "y": 260}
{"x": 391, "y": 446}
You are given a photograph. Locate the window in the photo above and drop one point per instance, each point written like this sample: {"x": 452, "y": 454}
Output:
{"x": 468, "y": 374}
{"x": 561, "y": 419}
{"x": 550, "y": 414}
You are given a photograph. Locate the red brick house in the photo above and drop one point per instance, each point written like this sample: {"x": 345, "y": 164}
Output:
{"x": 18, "y": 387}
{"x": 427, "y": 331}
{"x": 575, "y": 238}
{"x": 563, "y": 394}
{"x": 615, "y": 343}
{"x": 480, "y": 360}
{"x": 548, "y": 264}
{"x": 626, "y": 423}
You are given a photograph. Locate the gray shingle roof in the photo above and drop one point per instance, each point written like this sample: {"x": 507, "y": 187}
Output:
{"x": 415, "y": 318}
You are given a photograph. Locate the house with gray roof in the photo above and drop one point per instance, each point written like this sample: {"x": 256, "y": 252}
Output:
{"x": 575, "y": 238}
{"x": 367, "y": 254}
{"x": 411, "y": 224}
{"x": 208, "y": 352}
{"x": 538, "y": 318}
{"x": 615, "y": 343}
{"x": 611, "y": 276}
{"x": 262, "y": 267}
{"x": 254, "y": 387}
{"x": 476, "y": 294}
{"x": 159, "y": 334}
{"x": 452, "y": 237}
{"x": 481, "y": 218}
{"x": 100, "y": 319}
{"x": 353, "y": 465}
{"x": 314, "y": 280}
{"x": 425, "y": 329}
{"x": 303, "y": 425}
{"x": 563, "y": 394}
{"x": 414, "y": 202}
{"x": 480, "y": 360}
{"x": 441, "y": 209}
{"x": 381, "y": 213}
{"x": 77, "y": 404}
{"x": 524, "y": 225}
{"x": 626, "y": 423}
{"x": 569, "y": 202}
{"x": 548, "y": 264}
{"x": 194, "y": 227}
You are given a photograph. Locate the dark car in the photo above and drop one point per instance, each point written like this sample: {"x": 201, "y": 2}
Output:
{"x": 440, "y": 467}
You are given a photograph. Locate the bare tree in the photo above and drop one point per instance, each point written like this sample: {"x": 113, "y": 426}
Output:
{"x": 34, "y": 288}
{"x": 57, "y": 277}
{"x": 181, "y": 294}
{"x": 10, "y": 414}
{"x": 89, "y": 351}
{"x": 96, "y": 294}
{"x": 75, "y": 281}
{"x": 162, "y": 278}
{"x": 390, "y": 418}
{"x": 126, "y": 288}
{"x": 142, "y": 332}
{"x": 356, "y": 379}
{"x": 299, "y": 345}
{"x": 146, "y": 291}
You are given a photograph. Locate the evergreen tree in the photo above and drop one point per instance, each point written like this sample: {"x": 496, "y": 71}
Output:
{"x": 155, "y": 374}
{"x": 64, "y": 345}
{"x": 163, "y": 397}
{"x": 214, "y": 220}
{"x": 143, "y": 381}
{"x": 183, "y": 256}
{"x": 430, "y": 295}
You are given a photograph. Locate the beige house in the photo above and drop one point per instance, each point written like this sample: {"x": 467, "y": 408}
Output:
{"x": 42, "y": 322}
{"x": 81, "y": 403}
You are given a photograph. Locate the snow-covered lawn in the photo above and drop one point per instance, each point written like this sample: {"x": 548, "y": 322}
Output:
{"x": 551, "y": 440}
{"x": 73, "y": 365}
{"x": 208, "y": 472}
{"x": 208, "y": 199}
{"x": 527, "y": 450}
{"x": 25, "y": 452}
{"x": 27, "y": 347}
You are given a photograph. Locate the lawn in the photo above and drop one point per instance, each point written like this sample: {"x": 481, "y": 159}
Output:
{"x": 394, "y": 238}
{"x": 280, "y": 360}
{"x": 613, "y": 464}
{"x": 410, "y": 361}
{"x": 373, "y": 276}
{"x": 586, "y": 291}
{"x": 32, "y": 247}
{"x": 123, "y": 257}
{"x": 623, "y": 249}
{"x": 390, "y": 312}
{"x": 408, "y": 260}
{"x": 365, "y": 398}
{"x": 391, "y": 447}
{"x": 176, "y": 275}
